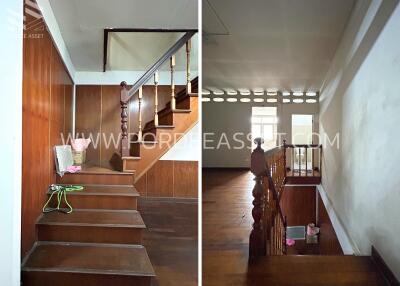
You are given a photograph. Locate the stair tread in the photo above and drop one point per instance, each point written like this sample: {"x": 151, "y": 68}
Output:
{"x": 313, "y": 263}
{"x": 96, "y": 170}
{"x": 131, "y": 158}
{"x": 105, "y": 190}
{"x": 176, "y": 110}
{"x": 100, "y": 218}
{"x": 314, "y": 270}
{"x": 145, "y": 142}
{"x": 158, "y": 127}
{"x": 92, "y": 258}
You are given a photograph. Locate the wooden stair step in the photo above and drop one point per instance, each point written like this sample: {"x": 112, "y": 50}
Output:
{"x": 150, "y": 133}
{"x": 165, "y": 117}
{"x": 315, "y": 270}
{"x": 168, "y": 110}
{"x": 153, "y": 128}
{"x": 135, "y": 147}
{"x": 97, "y": 175}
{"x": 95, "y": 226}
{"x": 110, "y": 197}
{"x": 66, "y": 264}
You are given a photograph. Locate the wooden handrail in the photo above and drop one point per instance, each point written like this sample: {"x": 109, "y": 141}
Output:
{"x": 126, "y": 95}
{"x": 303, "y": 145}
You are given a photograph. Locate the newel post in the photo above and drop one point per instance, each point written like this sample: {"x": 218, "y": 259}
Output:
{"x": 257, "y": 237}
{"x": 124, "y": 120}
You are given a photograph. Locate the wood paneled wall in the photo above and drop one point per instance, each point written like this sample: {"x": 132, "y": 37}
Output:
{"x": 47, "y": 101}
{"x": 98, "y": 114}
{"x": 175, "y": 179}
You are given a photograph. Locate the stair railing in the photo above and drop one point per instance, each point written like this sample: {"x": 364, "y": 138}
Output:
{"x": 268, "y": 236}
{"x": 128, "y": 93}
{"x": 299, "y": 155}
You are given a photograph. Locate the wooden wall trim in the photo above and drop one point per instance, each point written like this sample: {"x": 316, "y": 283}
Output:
{"x": 47, "y": 94}
{"x": 170, "y": 179}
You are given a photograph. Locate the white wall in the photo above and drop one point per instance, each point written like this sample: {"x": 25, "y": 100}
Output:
{"x": 231, "y": 118}
{"x": 361, "y": 100}
{"x": 187, "y": 148}
{"x": 11, "y": 140}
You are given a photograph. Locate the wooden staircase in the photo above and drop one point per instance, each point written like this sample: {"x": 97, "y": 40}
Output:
{"x": 268, "y": 259}
{"x": 99, "y": 243}
{"x": 158, "y": 139}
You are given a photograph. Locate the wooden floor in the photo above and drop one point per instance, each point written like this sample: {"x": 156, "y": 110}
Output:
{"x": 226, "y": 226}
{"x": 171, "y": 239}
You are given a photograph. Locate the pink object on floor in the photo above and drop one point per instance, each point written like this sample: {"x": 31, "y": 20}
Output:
{"x": 74, "y": 169}
{"x": 312, "y": 229}
{"x": 290, "y": 242}
{"x": 80, "y": 144}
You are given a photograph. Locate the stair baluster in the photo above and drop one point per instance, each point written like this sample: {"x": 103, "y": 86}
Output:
{"x": 172, "y": 65}
{"x": 188, "y": 82}
{"x": 124, "y": 121}
{"x": 156, "y": 99}
{"x": 127, "y": 94}
{"x": 140, "y": 95}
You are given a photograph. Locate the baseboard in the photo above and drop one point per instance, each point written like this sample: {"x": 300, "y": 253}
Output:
{"x": 345, "y": 241}
{"x": 383, "y": 268}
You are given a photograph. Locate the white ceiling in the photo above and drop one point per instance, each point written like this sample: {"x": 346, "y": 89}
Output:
{"x": 271, "y": 44}
{"x": 148, "y": 48}
{"x": 82, "y": 22}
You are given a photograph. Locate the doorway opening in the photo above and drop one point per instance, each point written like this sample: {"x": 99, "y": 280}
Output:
{"x": 302, "y": 134}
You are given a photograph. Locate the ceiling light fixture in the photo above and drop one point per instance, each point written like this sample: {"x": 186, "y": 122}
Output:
{"x": 205, "y": 99}
{"x": 286, "y": 100}
{"x": 231, "y": 92}
{"x": 218, "y": 99}
{"x": 298, "y": 100}
{"x": 272, "y": 100}
{"x": 258, "y": 99}
{"x": 218, "y": 92}
{"x": 298, "y": 93}
{"x": 245, "y": 99}
{"x": 311, "y": 94}
{"x": 231, "y": 99}
{"x": 311, "y": 100}
{"x": 205, "y": 92}
{"x": 272, "y": 93}
{"x": 285, "y": 93}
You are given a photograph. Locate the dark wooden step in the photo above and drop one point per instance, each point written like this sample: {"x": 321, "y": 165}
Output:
{"x": 165, "y": 118}
{"x": 150, "y": 133}
{"x": 66, "y": 264}
{"x": 94, "y": 226}
{"x": 135, "y": 146}
{"x": 315, "y": 270}
{"x": 109, "y": 197}
{"x": 97, "y": 175}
